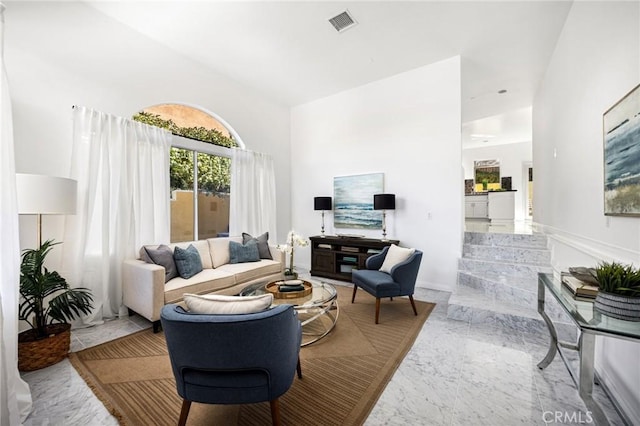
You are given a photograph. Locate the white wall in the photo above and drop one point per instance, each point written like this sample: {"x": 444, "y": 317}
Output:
{"x": 511, "y": 157}
{"x": 406, "y": 126}
{"x": 596, "y": 62}
{"x": 60, "y": 54}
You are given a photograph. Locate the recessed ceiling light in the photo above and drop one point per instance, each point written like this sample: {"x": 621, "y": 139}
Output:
{"x": 502, "y": 91}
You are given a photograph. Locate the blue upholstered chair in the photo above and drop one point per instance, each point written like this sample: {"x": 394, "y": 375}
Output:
{"x": 401, "y": 281}
{"x": 233, "y": 359}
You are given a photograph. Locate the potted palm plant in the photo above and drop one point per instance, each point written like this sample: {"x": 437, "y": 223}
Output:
{"x": 47, "y": 304}
{"x": 618, "y": 291}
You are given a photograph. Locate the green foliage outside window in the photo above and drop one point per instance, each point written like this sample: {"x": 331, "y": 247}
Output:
{"x": 214, "y": 173}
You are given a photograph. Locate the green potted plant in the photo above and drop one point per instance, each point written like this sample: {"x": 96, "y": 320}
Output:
{"x": 47, "y": 304}
{"x": 618, "y": 290}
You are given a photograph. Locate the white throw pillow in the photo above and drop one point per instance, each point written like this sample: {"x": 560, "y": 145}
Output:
{"x": 216, "y": 304}
{"x": 394, "y": 256}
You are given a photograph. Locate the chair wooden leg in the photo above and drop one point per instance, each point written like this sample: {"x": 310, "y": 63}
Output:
{"x": 413, "y": 305}
{"x": 299, "y": 369}
{"x": 355, "y": 288}
{"x": 184, "y": 412}
{"x": 377, "y": 308}
{"x": 275, "y": 412}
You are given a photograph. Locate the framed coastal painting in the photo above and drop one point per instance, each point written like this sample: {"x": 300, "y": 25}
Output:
{"x": 621, "y": 128}
{"x": 353, "y": 201}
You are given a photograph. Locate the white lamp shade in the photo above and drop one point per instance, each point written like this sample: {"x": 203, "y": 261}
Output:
{"x": 38, "y": 194}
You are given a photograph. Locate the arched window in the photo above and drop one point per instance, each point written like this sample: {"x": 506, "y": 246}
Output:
{"x": 199, "y": 164}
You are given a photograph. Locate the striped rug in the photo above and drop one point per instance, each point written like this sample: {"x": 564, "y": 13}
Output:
{"x": 343, "y": 374}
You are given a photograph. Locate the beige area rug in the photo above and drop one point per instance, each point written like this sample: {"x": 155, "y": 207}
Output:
{"x": 343, "y": 374}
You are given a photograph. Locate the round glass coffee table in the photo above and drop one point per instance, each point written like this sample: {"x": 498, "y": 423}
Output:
{"x": 318, "y": 311}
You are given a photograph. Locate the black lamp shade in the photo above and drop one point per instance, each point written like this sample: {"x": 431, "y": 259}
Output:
{"x": 322, "y": 203}
{"x": 384, "y": 202}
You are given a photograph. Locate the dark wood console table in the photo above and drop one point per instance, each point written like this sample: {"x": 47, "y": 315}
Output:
{"x": 335, "y": 257}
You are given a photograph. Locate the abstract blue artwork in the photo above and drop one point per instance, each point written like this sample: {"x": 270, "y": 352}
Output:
{"x": 621, "y": 126}
{"x": 353, "y": 201}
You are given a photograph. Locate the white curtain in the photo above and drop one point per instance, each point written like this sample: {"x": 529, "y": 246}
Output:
{"x": 122, "y": 169}
{"x": 253, "y": 194}
{"x": 15, "y": 397}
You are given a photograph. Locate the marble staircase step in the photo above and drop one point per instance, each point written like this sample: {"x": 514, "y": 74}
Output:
{"x": 520, "y": 269}
{"x": 507, "y": 253}
{"x": 511, "y": 290}
{"x": 506, "y": 240}
{"x": 474, "y": 306}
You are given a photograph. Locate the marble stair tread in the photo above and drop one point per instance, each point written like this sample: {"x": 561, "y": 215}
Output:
{"x": 510, "y": 291}
{"x": 506, "y": 240}
{"x": 506, "y": 268}
{"x": 476, "y": 308}
{"x": 532, "y": 256}
{"x": 476, "y": 299}
{"x": 528, "y": 283}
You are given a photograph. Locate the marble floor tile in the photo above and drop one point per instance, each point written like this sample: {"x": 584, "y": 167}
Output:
{"x": 456, "y": 373}
{"x": 61, "y": 397}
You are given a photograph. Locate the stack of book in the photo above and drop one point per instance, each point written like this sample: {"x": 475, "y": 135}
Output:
{"x": 579, "y": 289}
{"x": 290, "y": 285}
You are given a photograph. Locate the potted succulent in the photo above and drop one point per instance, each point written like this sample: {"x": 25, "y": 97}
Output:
{"x": 47, "y": 304}
{"x": 618, "y": 291}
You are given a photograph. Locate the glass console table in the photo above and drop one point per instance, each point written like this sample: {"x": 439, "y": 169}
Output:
{"x": 591, "y": 323}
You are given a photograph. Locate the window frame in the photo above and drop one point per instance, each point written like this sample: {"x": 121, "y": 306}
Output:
{"x": 197, "y": 146}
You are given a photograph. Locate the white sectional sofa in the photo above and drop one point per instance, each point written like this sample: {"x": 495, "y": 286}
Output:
{"x": 145, "y": 291}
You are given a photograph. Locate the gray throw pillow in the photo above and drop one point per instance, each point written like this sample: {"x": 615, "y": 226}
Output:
{"x": 188, "y": 261}
{"x": 162, "y": 256}
{"x": 263, "y": 244}
{"x": 241, "y": 253}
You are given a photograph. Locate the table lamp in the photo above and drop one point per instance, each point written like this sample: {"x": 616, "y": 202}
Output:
{"x": 384, "y": 202}
{"x": 322, "y": 203}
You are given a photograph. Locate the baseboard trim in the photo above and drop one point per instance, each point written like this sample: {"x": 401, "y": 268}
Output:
{"x": 608, "y": 390}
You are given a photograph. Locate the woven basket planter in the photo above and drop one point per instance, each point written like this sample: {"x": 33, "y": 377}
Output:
{"x": 36, "y": 354}
{"x": 617, "y": 306}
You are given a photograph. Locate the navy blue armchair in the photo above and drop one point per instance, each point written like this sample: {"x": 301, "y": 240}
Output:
{"x": 401, "y": 281}
{"x": 233, "y": 359}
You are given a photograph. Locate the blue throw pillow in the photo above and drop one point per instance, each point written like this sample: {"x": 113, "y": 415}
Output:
{"x": 188, "y": 261}
{"x": 241, "y": 253}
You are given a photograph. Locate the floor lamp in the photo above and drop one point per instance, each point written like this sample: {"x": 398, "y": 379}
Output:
{"x": 38, "y": 194}
{"x": 384, "y": 202}
{"x": 322, "y": 203}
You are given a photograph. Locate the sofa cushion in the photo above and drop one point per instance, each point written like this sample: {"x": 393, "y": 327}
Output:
{"x": 188, "y": 261}
{"x": 242, "y": 253}
{"x": 249, "y": 271}
{"x": 163, "y": 256}
{"x": 218, "y": 304}
{"x": 207, "y": 281}
{"x": 203, "y": 250}
{"x": 394, "y": 256}
{"x": 263, "y": 244}
{"x": 219, "y": 248}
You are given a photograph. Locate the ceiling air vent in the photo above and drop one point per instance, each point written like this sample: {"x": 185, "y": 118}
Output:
{"x": 342, "y": 21}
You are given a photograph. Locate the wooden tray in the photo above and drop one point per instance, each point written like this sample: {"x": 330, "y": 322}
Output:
{"x": 272, "y": 288}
